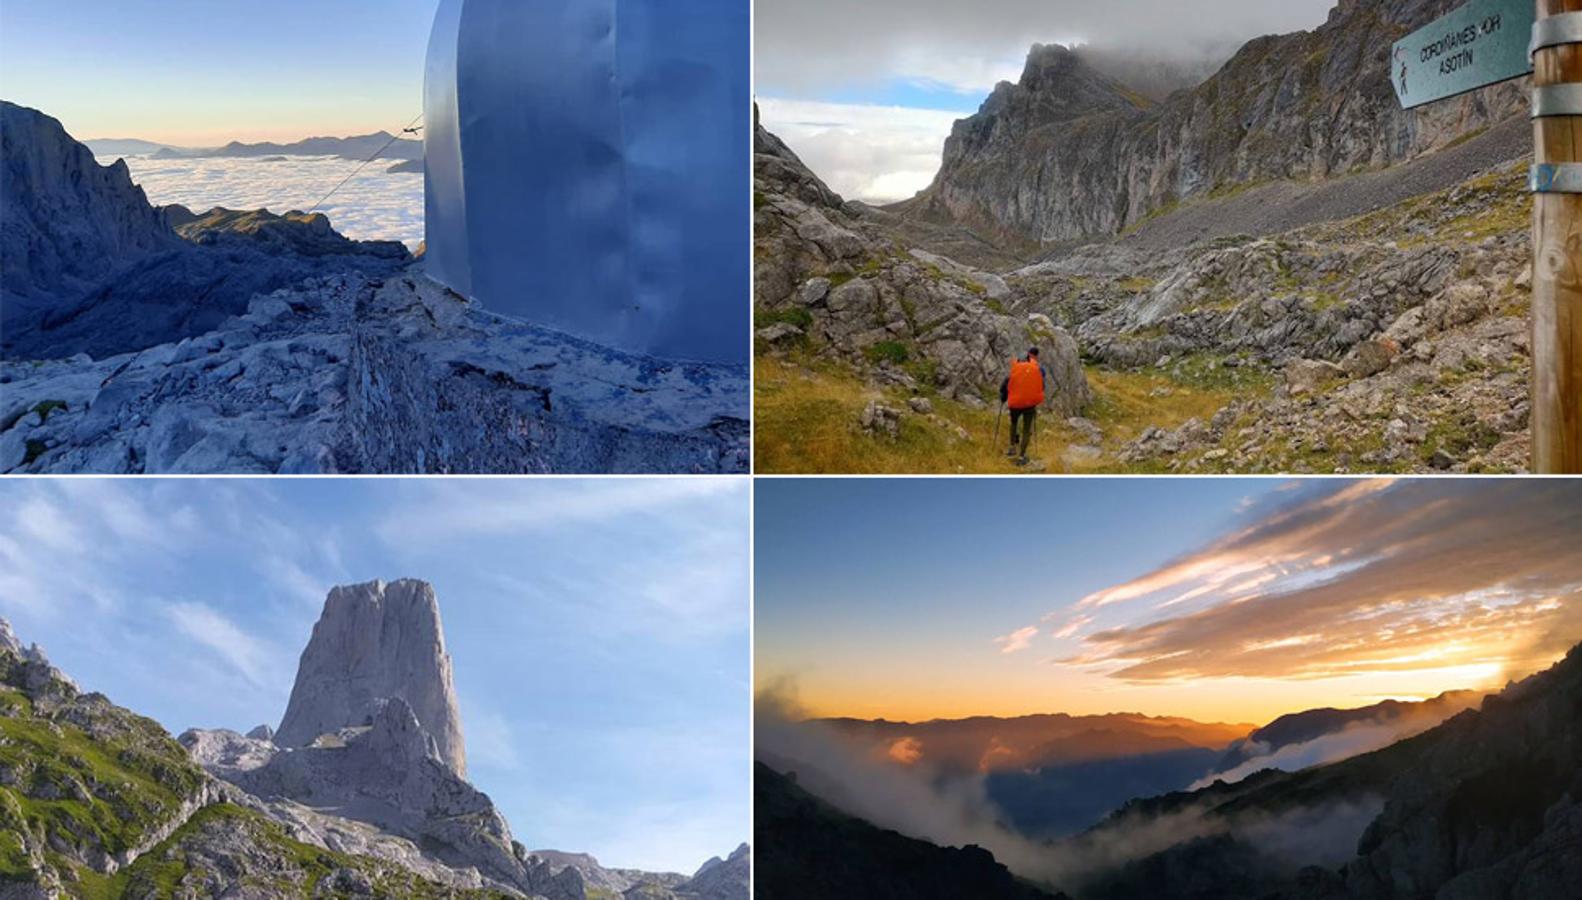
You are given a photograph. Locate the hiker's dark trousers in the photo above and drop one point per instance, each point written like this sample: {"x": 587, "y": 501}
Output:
{"x": 1023, "y": 418}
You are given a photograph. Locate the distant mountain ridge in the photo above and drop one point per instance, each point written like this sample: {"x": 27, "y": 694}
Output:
{"x": 1297, "y": 728}
{"x": 988, "y": 743}
{"x": 358, "y": 147}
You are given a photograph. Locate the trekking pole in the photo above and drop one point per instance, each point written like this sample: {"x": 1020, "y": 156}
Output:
{"x": 995, "y": 443}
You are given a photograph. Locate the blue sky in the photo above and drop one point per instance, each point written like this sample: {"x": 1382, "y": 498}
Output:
{"x": 1230, "y": 600}
{"x": 197, "y": 72}
{"x": 598, "y": 628}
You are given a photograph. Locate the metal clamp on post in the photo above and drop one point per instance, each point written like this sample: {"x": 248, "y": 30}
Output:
{"x": 1555, "y": 178}
{"x": 1557, "y": 100}
{"x": 1555, "y": 31}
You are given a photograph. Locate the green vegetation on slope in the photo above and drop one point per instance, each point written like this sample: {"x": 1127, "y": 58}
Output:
{"x": 80, "y": 778}
{"x": 83, "y": 781}
{"x": 807, "y": 414}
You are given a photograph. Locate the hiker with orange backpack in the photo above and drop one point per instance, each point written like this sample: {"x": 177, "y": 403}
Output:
{"x": 1022, "y": 392}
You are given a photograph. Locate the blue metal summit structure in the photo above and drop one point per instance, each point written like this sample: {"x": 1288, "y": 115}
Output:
{"x": 587, "y": 168}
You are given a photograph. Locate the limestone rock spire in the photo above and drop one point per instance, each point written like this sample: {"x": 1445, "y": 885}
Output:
{"x": 376, "y": 642}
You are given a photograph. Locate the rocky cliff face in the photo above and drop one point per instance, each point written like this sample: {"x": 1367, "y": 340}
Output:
{"x": 373, "y": 644}
{"x": 1491, "y": 807}
{"x": 96, "y": 801}
{"x": 826, "y": 283}
{"x": 64, "y": 219}
{"x": 90, "y": 267}
{"x": 1068, "y": 153}
{"x": 721, "y": 879}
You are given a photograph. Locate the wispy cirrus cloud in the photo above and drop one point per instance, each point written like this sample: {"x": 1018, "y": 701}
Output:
{"x": 457, "y": 511}
{"x": 1367, "y": 576}
{"x": 255, "y": 659}
{"x": 1018, "y": 640}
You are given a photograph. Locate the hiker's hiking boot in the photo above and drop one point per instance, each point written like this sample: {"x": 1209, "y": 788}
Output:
{"x": 1010, "y": 451}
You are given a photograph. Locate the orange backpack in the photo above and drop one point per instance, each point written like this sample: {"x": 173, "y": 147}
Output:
{"x": 1026, "y": 389}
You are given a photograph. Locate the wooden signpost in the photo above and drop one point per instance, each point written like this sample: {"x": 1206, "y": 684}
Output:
{"x": 1557, "y": 237}
{"x": 1483, "y": 43}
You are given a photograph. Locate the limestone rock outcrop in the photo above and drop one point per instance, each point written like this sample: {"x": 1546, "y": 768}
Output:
{"x": 353, "y": 374}
{"x": 64, "y": 218}
{"x": 722, "y": 879}
{"x": 374, "y": 644}
{"x": 388, "y": 773}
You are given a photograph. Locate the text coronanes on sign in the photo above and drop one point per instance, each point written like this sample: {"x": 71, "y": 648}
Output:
{"x": 1482, "y": 43}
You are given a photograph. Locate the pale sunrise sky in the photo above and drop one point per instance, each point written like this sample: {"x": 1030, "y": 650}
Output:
{"x": 199, "y": 73}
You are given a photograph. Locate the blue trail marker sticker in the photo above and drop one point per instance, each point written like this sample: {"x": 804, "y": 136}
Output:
{"x": 1482, "y": 43}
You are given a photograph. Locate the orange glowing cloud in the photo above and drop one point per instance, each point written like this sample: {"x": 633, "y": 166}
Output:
{"x": 1375, "y": 577}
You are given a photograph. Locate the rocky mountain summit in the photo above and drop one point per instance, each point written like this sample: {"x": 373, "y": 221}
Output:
{"x": 376, "y": 644}
{"x": 1067, "y": 153}
{"x": 235, "y": 341}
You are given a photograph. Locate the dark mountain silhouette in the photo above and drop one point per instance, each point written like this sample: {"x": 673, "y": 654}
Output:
{"x": 807, "y": 848}
{"x": 1309, "y": 725}
{"x": 1485, "y": 805}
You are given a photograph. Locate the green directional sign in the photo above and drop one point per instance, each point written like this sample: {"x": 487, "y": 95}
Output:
{"x": 1482, "y": 43}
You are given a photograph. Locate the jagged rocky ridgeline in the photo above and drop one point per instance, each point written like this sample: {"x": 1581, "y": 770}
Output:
{"x": 96, "y": 801}
{"x": 143, "y": 340}
{"x": 1307, "y": 105}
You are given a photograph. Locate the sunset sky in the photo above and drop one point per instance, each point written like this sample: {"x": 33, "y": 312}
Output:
{"x": 1216, "y": 599}
{"x": 200, "y": 73}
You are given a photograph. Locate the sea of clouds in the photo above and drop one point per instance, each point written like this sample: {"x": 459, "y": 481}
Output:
{"x": 375, "y": 205}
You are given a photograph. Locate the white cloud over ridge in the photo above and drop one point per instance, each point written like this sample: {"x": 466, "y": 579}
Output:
{"x": 375, "y": 205}
{"x": 878, "y": 154}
